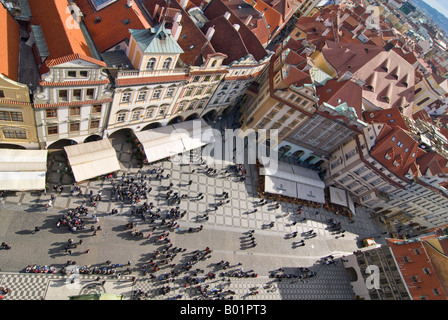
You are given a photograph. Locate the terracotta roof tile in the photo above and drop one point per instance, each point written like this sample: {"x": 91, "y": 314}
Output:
{"x": 62, "y": 39}
{"x": 9, "y": 44}
{"x": 72, "y": 57}
{"x": 403, "y": 146}
{"x": 193, "y": 42}
{"x": 111, "y": 25}
{"x": 414, "y": 269}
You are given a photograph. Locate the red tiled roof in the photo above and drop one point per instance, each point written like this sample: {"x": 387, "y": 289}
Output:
{"x": 273, "y": 18}
{"x": 62, "y": 39}
{"x": 107, "y": 27}
{"x": 336, "y": 92}
{"x": 390, "y": 138}
{"x": 434, "y": 162}
{"x": 72, "y": 57}
{"x": 235, "y": 44}
{"x": 9, "y": 44}
{"x": 391, "y": 117}
{"x": 365, "y": 60}
{"x": 193, "y": 42}
{"x": 240, "y": 11}
{"x": 414, "y": 269}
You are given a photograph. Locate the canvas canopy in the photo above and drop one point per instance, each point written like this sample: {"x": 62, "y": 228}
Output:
{"x": 294, "y": 181}
{"x": 92, "y": 159}
{"x": 164, "y": 142}
{"x": 341, "y": 197}
{"x": 22, "y": 170}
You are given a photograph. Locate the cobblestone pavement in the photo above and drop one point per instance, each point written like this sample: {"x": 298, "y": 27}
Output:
{"x": 223, "y": 233}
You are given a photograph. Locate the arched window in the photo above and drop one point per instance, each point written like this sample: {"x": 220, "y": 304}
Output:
{"x": 167, "y": 63}
{"x": 151, "y": 64}
{"x": 214, "y": 63}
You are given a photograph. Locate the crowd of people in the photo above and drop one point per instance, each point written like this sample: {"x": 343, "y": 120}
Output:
{"x": 155, "y": 223}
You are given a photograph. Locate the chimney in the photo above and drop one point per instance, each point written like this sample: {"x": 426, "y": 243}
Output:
{"x": 227, "y": 15}
{"x": 248, "y": 19}
{"x": 177, "y": 27}
{"x": 236, "y": 26}
{"x": 183, "y": 3}
{"x": 156, "y": 8}
{"x": 210, "y": 33}
{"x": 129, "y": 3}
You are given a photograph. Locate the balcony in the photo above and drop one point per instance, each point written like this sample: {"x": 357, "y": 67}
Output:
{"x": 126, "y": 74}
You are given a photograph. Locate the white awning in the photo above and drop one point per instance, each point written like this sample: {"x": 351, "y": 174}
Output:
{"x": 164, "y": 142}
{"x": 342, "y": 198}
{"x": 22, "y": 170}
{"x": 92, "y": 159}
{"x": 294, "y": 181}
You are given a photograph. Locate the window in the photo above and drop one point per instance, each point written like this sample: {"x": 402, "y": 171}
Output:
{"x": 14, "y": 134}
{"x": 71, "y": 74}
{"x": 126, "y": 97}
{"x": 157, "y": 93}
{"x": 121, "y": 117}
{"x": 96, "y": 108}
{"x": 201, "y": 104}
{"x": 150, "y": 65}
{"x": 11, "y": 116}
{"x": 426, "y": 271}
{"x": 199, "y": 91}
{"x": 52, "y": 130}
{"x": 360, "y": 170}
{"x": 368, "y": 176}
{"x": 74, "y": 127}
{"x": 162, "y": 111}
{"x": 77, "y": 94}
{"x": 416, "y": 251}
{"x": 5, "y": 116}
{"x": 181, "y": 106}
{"x": 217, "y": 78}
{"x": 2, "y": 94}
{"x": 63, "y": 94}
{"x": 51, "y": 113}
{"x": 196, "y": 78}
{"x": 207, "y": 78}
{"x": 136, "y": 115}
{"x": 400, "y": 144}
{"x": 188, "y": 92}
{"x": 263, "y": 123}
{"x": 149, "y": 113}
{"x": 169, "y": 93}
{"x": 436, "y": 292}
{"x": 83, "y": 74}
{"x": 283, "y": 132}
{"x": 191, "y": 105}
{"x": 336, "y": 163}
{"x": 142, "y": 95}
{"x": 167, "y": 63}
{"x": 90, "y": 93}
{"x": 405, "y": 259}
{"x": 94, "y": 124}
{"x": 75, "y": 111}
